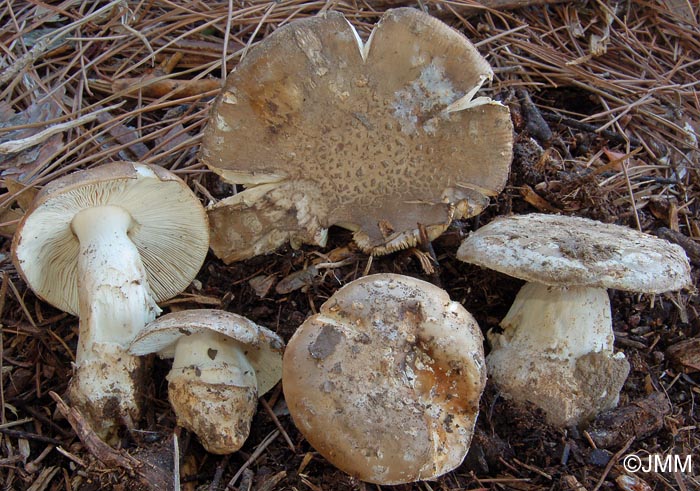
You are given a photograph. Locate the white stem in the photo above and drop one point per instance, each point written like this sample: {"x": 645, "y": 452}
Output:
{"x": 213, "y": 390}
{"x": 115, "y": 303}
{"x": 561, "y": 323}
{"x": 556, "y": 351}
{"x": 212, "y": 358}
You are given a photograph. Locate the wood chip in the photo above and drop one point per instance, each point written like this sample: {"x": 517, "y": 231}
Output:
{"x": 631, "y": 483}
{"x": 685, "y": 355}
{"x": 261, "y": 284}
{"x": 531, "y": 197}
{"x": 44, "y": 479}
{"x": 272, "y": 481}
{"x": 637, "y": 420}
{"x": 297, "y": 280}
{"x": 570, "y": 483}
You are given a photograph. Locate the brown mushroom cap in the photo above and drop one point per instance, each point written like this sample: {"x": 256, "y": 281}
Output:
{"x": 263, "y": 348}
{"x": 375, "y": 139}
{"x": 385, "y": 381}
{"x": 170, "y": 232}
{"x": 561, "y": 250}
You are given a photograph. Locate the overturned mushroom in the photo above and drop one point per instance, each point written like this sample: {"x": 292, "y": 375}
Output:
{"x": 556, "y": 349}
{"x": 222, "y": 363}
{"x": 106, "y": 244}
{"x": 385, "y": 381}
{"x": 376, "y": 137}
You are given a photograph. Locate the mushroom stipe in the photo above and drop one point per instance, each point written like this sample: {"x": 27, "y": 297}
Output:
{"x": 106, "y": 244}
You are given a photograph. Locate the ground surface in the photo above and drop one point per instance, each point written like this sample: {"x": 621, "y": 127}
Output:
{"x": 604, "y": 102}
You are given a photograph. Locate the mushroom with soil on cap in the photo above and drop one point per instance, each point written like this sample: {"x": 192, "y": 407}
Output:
{"x": 385, "y": 380}
{"x": 377, "y": 137}
{"x": 556, "y": 349}
{"x": 222, "y": 363}
{"x": 106, "y": 244}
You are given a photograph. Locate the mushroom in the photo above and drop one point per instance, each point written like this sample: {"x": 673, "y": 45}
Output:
{"x": 556, "y": 349}
{"x": 385, "y": 380}
{"x": 106, "y": 244}
{"x": 377, "y": 137}
{"x": 222, "y": 363}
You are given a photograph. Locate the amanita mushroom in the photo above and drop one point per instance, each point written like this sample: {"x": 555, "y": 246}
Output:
{"x": 106, "y": 244}
{"x": 377, "y": 137}
{"x": 222, "y": 363}
{"x": 385, "y": 380}
{"x": 556, "y": 349}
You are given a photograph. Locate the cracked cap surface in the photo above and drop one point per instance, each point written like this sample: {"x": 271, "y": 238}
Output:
{"x": 559, "y": 250}
{"x": 376, "y": 138}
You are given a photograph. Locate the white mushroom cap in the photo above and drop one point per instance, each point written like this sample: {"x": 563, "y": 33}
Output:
{"x": 375, "y": 138}
{"x": 262, "y": 347}
{"x": 385, "y": 381}
{"x": 170, "y": 232}
{"x": 561, "y": 250}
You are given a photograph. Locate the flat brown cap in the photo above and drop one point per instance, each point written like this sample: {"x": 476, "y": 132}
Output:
{"x": 376, "y": 138}
{"x": 385, "y": 380}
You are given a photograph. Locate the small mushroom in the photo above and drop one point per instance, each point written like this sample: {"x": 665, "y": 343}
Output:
{"x": 106, "y": 244}
{"x": 556, "y": 349}
{"x": 222, "y": 363}
{"x": 385, "y": 380}
{"x": 376, "y": 137}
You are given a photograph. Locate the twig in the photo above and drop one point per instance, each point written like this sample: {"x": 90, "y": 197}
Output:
{"x": 30, "y": 436}
{"x": 164, "y": 86}
{"x": 71, "y": 457}
{"x": 15, "y": 146}
{"x": 273, "y": 416}
{"x": 533, "y": 469}
{"x": 615, "y": 138}
{"x": 535, "y": 124}
{"x": 692, "y": 249}
{"x": 219, "y": 474}
{"x": 258, "y": 451}
{"x": 44, "y": 479}
{"x": 10, "y": 424}
{"x": 38, "y": 415}
{"x": 613, "y": 461}
{"x": 34, "y": 465}
{"x": 147, "y": 473}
